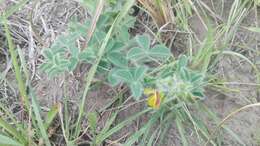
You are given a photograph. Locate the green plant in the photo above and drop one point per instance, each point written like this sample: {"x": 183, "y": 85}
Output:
{"x": 123, "y": 64}
{"x": 171, "y": 86}
{"x": 138, "y": 63}
{"x": 257, "y": 2}
{"x": 13, "y": 132}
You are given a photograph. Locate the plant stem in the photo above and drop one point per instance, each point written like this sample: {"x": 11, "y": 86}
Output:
{"x": 18, "y": 75}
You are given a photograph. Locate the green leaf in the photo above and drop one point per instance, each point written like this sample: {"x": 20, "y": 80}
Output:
{"x": 92, "y": 121}
{"x": 56, "y": 60}
{"x": 90, "y": 4}
{"x": 132, "y": 76}
{"x": 184, "y": 74}
{"x": 103, "y": 21}
{"x": 118, "y": 46}
{"x": 4, "y": 140}
{"x": 143, "y": 41}
{"x": 97, "y": 38}
{"x": 103, "y": 66}
{"x": 183, "y": 62}
{"x": 51, "y": 115}
{"x": 110, "y": 45}
{"x": 195, "y": 77}
{"x": 77, "y": 27}
{"x": 198, "y": 93}
{"x": 136, "y": 89}
{"x": 74, "y": 51}
{"x": 118, "y": 59}
{"x": 125, "y": 75}
{"x": 138, "y": 72}
{"x": 136, "y": 53}
{"x": 87, "y": 55}
{"x": 112, "y": 78}
{"x": 72, "y": 63}
{"x": 114, "y": 46}
{"x": 46, "y": 66}
{"x": 48, "y": 54}
{"x": 160, "y": 51}
{"x": 167, "y": 71}
{"x": 124, "y": 35}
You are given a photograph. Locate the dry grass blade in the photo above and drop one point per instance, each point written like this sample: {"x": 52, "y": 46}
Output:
{"x": 232, "y": 114}
{"x": 92, "y": 28}
{"x": 160, "y": 11}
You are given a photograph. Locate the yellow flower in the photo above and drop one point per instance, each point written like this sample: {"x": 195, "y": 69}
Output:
{"x": 155, "y": 98}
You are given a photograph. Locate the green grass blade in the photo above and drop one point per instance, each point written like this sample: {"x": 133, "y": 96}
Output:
{"x": 51, "y": 115}
{"x": 144, "y": 130}
{"x": 66, "y": 118}
{"x": 109, "y": 123}
{"x": 8, "y": 114}
{"x": 158, "y": 116}
{"x": 23, "y": 64}
{"x": 182, "y": 132}
{"x": 253, "y": 29}
{"x": 202, "y": 59}
{"x": 167, "y": 124}
{"x": 119, "y": 126}
{"x": 40, "y": 125}
{"x": 12, "y": 131}
{"x": 151, "y": 139}
{"x": 92, "y": 122}
{"x": 131, "y": 140}
{"x": 189, "y": 115}
{"x": 4, "y": 141}
{"x": 18, "y": 75}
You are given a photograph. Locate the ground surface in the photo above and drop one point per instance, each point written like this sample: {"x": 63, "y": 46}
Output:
{"x": 49, "y": 18}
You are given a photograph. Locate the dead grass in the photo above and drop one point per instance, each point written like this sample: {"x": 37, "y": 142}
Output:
{"x": 160, "y": 11}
